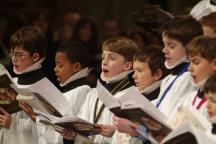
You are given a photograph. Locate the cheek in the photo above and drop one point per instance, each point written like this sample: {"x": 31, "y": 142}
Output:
{"x": 26, "y": 64}
{"x": 142, "y": 77}
{"x": 214, "y": 108}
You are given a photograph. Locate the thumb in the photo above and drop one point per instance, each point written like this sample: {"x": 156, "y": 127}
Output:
{"x": 3, "y": 111}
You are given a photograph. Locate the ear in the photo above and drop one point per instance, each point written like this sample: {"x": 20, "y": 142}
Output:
{"x": 128, "y": 66}
{"x": 213, "y": 63}
{"x": 158, "y": 74}
{"x": 77, "y": 67}
{"x": 35, "y": 57}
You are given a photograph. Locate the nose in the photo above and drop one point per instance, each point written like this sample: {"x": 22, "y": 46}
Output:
{"x": 190, "y": 68}
{"x": 14, "y": 59}
{"x": 55, "y": 69}
{"x": 104, "y": 61}
{"x": 134, "y": 75}
{"x": 165, "y": 51}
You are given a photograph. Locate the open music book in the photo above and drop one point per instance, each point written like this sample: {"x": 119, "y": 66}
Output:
{"x": 45, "y": 97}
{"x": 74, "y": 123}
{"x": 186, "y": 113}
{"x": 7, "y": 93}
{"x": 188, "y": 134}
{"x": 132, "y": 105}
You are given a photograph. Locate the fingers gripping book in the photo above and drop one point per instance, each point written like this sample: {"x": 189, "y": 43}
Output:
{"x": 7, "y": 94}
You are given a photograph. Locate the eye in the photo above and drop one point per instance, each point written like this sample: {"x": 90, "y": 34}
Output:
{"x": 172, "y": 46}
{"x": 112, "y": 58}
{"x": 139, "y": 70}
{"x": 195, "y": 62}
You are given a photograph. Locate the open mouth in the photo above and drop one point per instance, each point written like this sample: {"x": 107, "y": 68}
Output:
{"x": 194, "y": 78}
{"x": 105, "y": 70}
{"x": 15, "y": 66}
{"x": 210, "y": 114}
{"x": 136, "y": 83}
{"x": 168, "y": 59}
{"x": 58, "y": 78}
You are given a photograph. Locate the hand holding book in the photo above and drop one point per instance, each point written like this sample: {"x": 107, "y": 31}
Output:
{"x": 7, "y": 93}
{"x": 125, "y": 126}
{"x": 107, "y": 130}
{"x": 5, "y": 118}
{"x": 28, "y": 110}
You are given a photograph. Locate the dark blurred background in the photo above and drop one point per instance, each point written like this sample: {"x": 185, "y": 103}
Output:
{"x": 89, "y": 22}
{"x": 120, "y": 9}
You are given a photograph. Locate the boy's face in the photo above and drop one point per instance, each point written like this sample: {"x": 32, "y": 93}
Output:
{"x": 208, "y": 31}
{"x": 211, "y": 104}
{"x": 200, "y": 68}
{"x": 22, "y": 59}
{"x": 173, "y": 50}
{"x": 64, "y": 69}
{"x": 142, "y": 75}
{"x": 113, "y": 64}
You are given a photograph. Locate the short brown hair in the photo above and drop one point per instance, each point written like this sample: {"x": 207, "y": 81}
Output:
{"x": 155, "y": 58}
{"x": 122, "y": 46}
{"x": 209, "y": 21}
{"x": 210, "y": 85}
{"x": 204, "y": 46}
{"x": 30, "y": 39}
{"x": 182, "y": 28}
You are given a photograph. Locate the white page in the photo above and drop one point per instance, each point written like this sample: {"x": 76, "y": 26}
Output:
{"x": 187, "y": 113}
{"x": 134, "y": 97}
{"x": 106, "y": 97}
{"x": 201, "y": 137}
{"x": 31, "y": 101}
{"x": 50, "y": 93}
{"x": 55, "y": 119}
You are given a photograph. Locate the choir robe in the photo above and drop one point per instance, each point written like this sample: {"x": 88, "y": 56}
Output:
{"x": 23, "y": 130}
{"x": 75, "y": 90}
{"x": 93, "y": 106}
{"x": 175, "y": 96}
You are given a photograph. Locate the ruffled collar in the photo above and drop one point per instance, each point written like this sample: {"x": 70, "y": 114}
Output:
{"x": 82, "y": 73}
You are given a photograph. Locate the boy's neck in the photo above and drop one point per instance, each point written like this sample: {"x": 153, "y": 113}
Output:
{"x": 177, "y": 63}
{"x": 213, "y": 2}
{"x": 151, "y": 88}
{"x": 119, "y": 85}
{"x": 30, "y": 77}
{"x": 116, "y": 78}
{"x": 214, "y": 128}
{"x": 74, "y": 84}
{"x": 80, "y": 74}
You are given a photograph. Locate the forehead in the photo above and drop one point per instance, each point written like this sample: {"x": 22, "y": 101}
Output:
{"x": 194, "y": 56}
{"x": 60, "y": 56}
{"x": 140, "y": 63}
{"x": 19, "y": 49}
{"x": 109, "y": 53}
{"x": 166, "y": 38}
